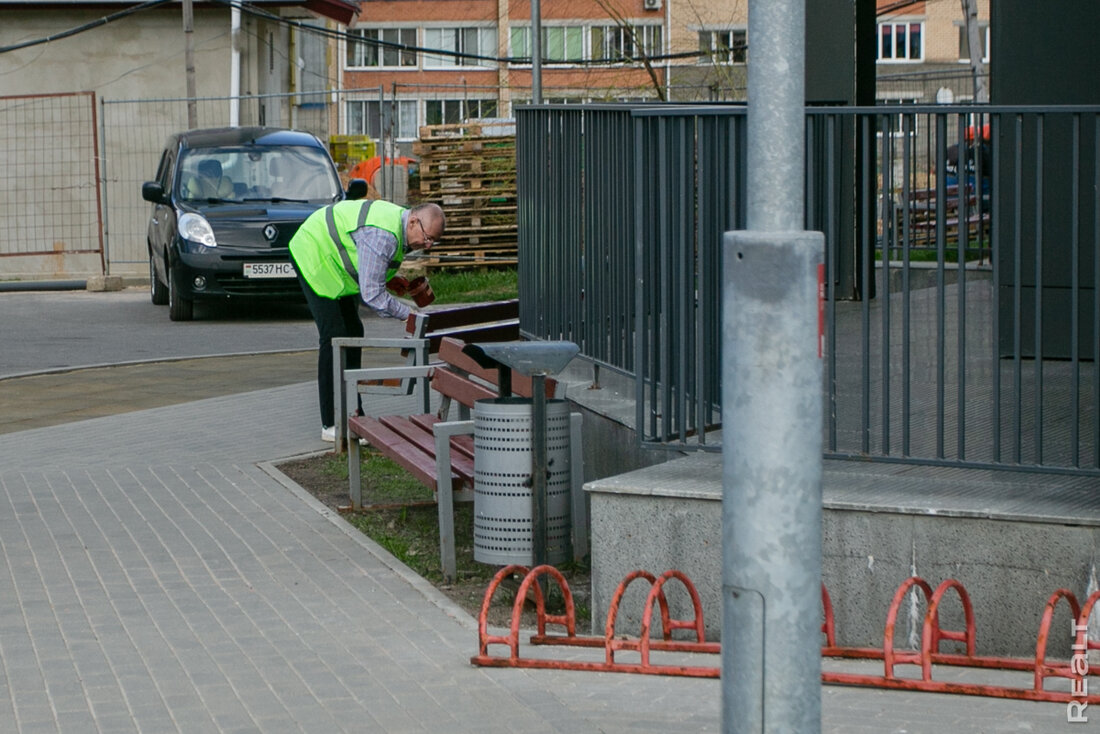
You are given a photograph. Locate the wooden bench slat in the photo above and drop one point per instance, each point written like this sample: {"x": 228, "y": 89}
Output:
{"x": 450, "y": 351}
{"x": 461, "y": 444}
{"x": 500, "y": 331}
{"x": 391, "y": 444}
{"x": 461, "y": 465}
{"x": 449, "y": 317}
{"x": 459, "y": 388}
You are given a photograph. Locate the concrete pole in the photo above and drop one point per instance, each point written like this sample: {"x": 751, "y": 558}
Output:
{"x": 189, "y": 64}
{"x": 771, "y": 398}
{"x": 536, "y": 52}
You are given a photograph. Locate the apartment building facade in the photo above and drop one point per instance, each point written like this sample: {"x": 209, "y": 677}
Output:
{"x": 602, "y": 50}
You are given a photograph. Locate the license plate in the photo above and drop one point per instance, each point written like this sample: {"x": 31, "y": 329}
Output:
{"x": 269, "y": 270}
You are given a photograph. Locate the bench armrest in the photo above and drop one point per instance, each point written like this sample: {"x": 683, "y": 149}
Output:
{"x": 368, "y": 342}
{"x": 419, "y": 373}
{"x": 417, "y": 353}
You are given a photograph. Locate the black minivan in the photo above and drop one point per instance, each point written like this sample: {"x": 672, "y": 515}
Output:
{"x": 226, "y": 202}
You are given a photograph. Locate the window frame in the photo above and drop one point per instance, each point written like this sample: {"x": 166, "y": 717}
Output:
{"x": 652, "y": 40}
{"x": 729, "y": 51}
{"x": 485, "y": 47}
{"x": 894, "y": 25}
{"x": 652, "y": 34}
{"x": 404, "y": 106}
{"x": 355, "y": 45}
{"x": 464, "y": 106}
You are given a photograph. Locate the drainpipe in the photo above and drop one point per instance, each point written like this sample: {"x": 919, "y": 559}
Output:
{"x": 235, "y": 66}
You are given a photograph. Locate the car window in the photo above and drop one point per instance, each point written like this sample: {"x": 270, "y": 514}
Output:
{"x": 164, "y": 169}
{"x": 258, "y": 172}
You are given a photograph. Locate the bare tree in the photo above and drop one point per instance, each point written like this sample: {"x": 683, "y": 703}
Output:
{"x": 638, "y": 44}
{"x": 974, "y": 42}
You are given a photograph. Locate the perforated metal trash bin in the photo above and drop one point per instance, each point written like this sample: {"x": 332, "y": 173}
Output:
{"x": 502, "y": 481}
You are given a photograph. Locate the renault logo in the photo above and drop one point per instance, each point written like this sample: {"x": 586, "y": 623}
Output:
{"x": 271, "y": 232}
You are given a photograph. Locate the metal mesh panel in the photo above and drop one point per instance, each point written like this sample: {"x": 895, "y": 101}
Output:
{"x": 49, "y": 193}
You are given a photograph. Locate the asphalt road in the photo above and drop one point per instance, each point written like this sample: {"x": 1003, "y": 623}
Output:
{"x": 70, "y": 355}
{"x": 51, "y": 330}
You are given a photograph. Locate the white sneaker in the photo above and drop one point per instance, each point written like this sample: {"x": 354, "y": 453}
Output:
{"x": 328, "y": 435}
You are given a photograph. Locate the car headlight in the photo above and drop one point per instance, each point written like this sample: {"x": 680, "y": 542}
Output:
{"x": 194, "y": 228}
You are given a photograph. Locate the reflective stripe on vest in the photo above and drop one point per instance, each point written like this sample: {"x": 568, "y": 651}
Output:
{"x": 334, "y": 235}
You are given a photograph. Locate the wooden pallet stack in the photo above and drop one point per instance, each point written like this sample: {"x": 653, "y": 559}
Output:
{"x": 470, "y": 171}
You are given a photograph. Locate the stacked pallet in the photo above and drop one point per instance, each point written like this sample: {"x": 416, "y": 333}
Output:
{"x": 470, "y": 171}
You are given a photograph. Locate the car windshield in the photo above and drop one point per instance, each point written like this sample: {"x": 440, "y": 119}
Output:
{"x": 257, "y": 173}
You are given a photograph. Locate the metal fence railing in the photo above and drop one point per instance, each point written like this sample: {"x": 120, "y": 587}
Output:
{"x": 962, "y": 255}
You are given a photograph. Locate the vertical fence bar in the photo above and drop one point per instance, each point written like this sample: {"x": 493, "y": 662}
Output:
{"x": 867, "y": 269}
{"x": 100, "y": 204}
{"x": 101, "y": 178}
{"x": 708, "y": 183}
{"x": 1017, "y": 296}
{"x": 941, "y": 304}
{"x": 641, "y": 276}
{"x": 831, "y": 227}
{"x": 885, "y": 123}
{"x": 663, "y": 382}
{"x": 1096, "y": 293}
{"x": 962, "y": 247}
{"x": 907, "y": 126}
{"x": 1075, "y": 298}
{"x": 683, "y": 274}
{"x": 1039, "y": 161}
{"x": 995, "y": 262}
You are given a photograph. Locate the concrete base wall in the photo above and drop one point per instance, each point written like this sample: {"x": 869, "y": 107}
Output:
{"x": 669, "y": 516}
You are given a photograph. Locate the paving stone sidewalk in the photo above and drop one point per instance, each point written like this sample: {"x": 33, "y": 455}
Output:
{"x": 159, "y": 575}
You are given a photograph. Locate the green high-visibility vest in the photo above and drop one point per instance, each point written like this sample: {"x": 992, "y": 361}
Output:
{"x": 325, "y": 253}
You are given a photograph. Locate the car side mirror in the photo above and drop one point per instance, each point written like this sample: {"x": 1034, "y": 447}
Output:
{"x": 152, "y": 191}
{"x": 357, "y": 188}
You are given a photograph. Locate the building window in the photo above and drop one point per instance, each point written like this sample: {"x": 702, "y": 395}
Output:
{"x": 520, "y": 41}
{"x": 311, "y": 73}
{"x": 474, "y": 41}
{"x": 455, "y": 111}
{"x": 901, "y": 41}
{"x": 559, "y": 43}
{"x": 616, "y": 43}
{"x": 370, "y": 117}
{"x": 378, "y": 47}
{"x": 724, "y": 46}
{"x": 964, "y": 43}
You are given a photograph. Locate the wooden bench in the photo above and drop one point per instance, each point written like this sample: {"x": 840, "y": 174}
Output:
{"x": 922, "y": 209}
{"x": 493, "y": 321}
{"x": 439, "y": 452}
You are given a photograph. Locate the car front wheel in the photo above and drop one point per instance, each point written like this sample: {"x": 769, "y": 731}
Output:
{"x": 179, "y": 308}
{"x": 158, "y": 291}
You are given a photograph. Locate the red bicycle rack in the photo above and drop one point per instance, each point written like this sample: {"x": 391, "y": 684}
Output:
{"x": 927, "y": 657}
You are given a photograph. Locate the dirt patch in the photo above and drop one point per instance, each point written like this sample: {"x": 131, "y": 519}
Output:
{"x": 400, "y": 515}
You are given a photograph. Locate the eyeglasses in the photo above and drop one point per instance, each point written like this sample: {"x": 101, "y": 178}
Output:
{"x": 428, "y": 240}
